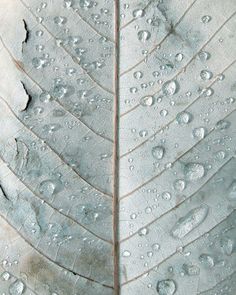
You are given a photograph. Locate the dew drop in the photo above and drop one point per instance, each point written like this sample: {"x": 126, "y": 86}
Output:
{"x": 199, "y": 133}
{"x": 147, "y": 101}
{"x": 206, "y": 19}
{"x": 138, "y": 13}
{"x": 166, "y": 287}
{"x": 126, "y": 253}
{"x": 184, "y": 118}
{"x": 144, "y": 35}
{"x": 179, "y": 185}
{"x": 170, "y": 87}
{"x": 143, "y": 232}
{"x": 194, "y": 171}
{"x": 158, "y": 152}
{"x": 206, "y": 75}
{"x": 190, "y": 221}
{"x": 17, "y": 288}
{"x": 207, "y": 260}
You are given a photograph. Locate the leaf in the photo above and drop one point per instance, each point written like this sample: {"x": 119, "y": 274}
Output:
{"x": 117, "y": 152}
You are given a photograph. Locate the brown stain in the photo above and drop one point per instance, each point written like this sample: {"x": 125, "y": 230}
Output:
{"x": 49, "y": 276}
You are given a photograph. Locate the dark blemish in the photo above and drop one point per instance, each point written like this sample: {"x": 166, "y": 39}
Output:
{"x": 29, "y": 97}
{"x": 4, "y": 192}
{"x": 27, "y": 32}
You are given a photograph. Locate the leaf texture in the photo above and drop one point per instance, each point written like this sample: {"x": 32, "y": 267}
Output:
{"x": 117, "y": 147}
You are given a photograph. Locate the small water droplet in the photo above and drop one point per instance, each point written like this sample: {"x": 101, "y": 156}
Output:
{"x": 206, "y": 19}
{"x": 126, "y": 253}
{"x": 144, "y": 35}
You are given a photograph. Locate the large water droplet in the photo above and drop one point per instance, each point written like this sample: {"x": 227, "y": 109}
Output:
{"x": 49, "y": 187}
{"x": 17, "y": 288}
{"x": 194, "y": 171}
{"x": 199, "y": 133}
{"x": 170, "y": 87}
{"x": 232, "y": 191}
{"x": 166, "y": 287}
{"x": 158, "y": 152}
{"x": 206, "y": 75}
{"x": 184, "y": 118}
{"x": 138, "y": 13}
{"x": 207, "y": 260}
{"x": 147, "y": 101}
{"x": 190, "y": 221}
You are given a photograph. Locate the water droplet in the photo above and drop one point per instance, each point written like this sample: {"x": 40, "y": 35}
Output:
{"x": 206, "y": 19}
{"x": 206, "y": 75}
{"x": 5, "y": 276}
{"x": 170, "y": 87}
{"x": 126, "y": 253}
{"x": 190, "y": 221}
{"x": 207, "y": 260}
{"x": 179, "y": 185}
{"x": 227, "y": 245}
{"x": 191, "y": 270}
{"x": 232, "y": 191}
{"x": 179, "y": 57}
{"x": 60, "y": 20}
{"x": 222, "y": 125}
{"x": 155, "y": 247}
{"x": 138, "y": 75}
{"x": 143, "y": 133}
{"x": 184, "y": 118}
{"x": 86, "y": 4}
{"x": 147, "y": 101}
{"x": 49, "y": 187}
{"x": 166, "y": 196}
{"x": 166, "y": 287}
{"x": 194, "y": 171}
{"x": 138, "y": 13}
{"x": 144, "y": 36}
{"x": 143, "y": 232}
{"x": 204, "y": 55}
{"x": 158, "y": 152}
{"x": 199, "y": 133}
{"x": 17, "y": 288}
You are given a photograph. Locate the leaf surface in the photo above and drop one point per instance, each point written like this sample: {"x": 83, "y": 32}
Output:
{"x": 117, "y": 147}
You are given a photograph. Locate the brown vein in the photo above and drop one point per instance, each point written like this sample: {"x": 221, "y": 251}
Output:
{"x": 21, "y": 68}
{"x": 160, "y": 43}
{"x": 50, "y": 205}
{"x": 177, "y": 159}
{"x": 115, "y": 207}
{"x": 176, "y": 252}
{"x": 173, "y": 120}
{"x": 180, "y": 203}
{"x": 54, "y": 151}
{"x": 183, "y": 69}
{"x": 68, "y": 52}
{"x": 49, "y": 258}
